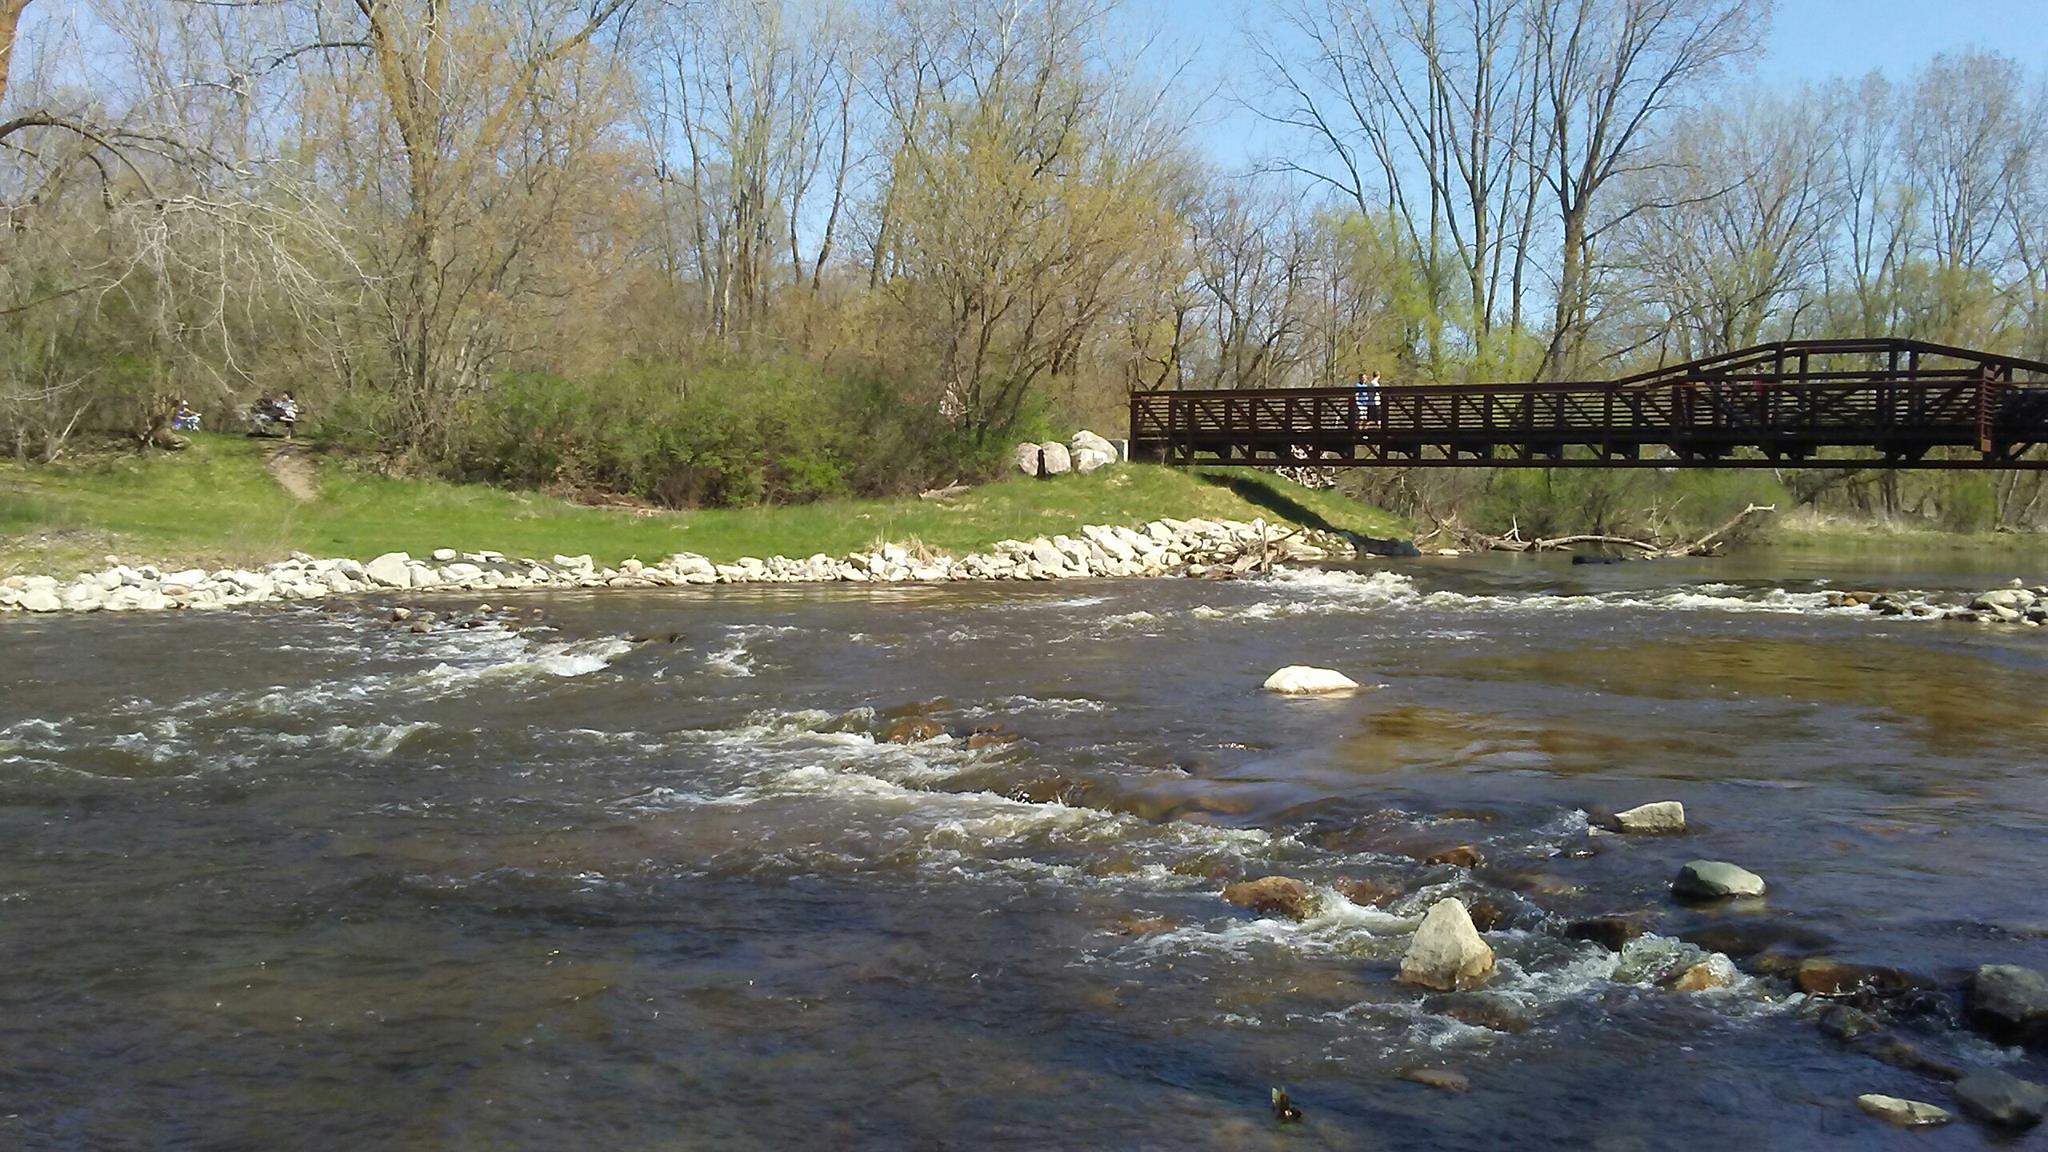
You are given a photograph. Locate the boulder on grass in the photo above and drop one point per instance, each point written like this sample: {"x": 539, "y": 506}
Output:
{"x": 1057, "y": 460}
{"x": 1028, "y": 458}
{"x": 1302, "y": 680}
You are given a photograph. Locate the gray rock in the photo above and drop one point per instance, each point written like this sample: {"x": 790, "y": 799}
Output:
{"x": 2010, "y": 1003}
{"x": 1661, "y": 816}
{"x": 1446, "y": 952}
{"x": 1057, "y": 460}
{"x": 1904, "y": 1113}
{"x": 1715, "y": 880}
{"x": 2002, "y": 1099}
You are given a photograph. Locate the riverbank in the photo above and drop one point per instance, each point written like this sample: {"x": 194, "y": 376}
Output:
{"x": 232, "y": 503}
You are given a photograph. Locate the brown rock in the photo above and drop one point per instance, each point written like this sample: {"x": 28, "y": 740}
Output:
{"x": 991, "y": 736}
{"x": 1610, "y": 932}
{"x": 1463, "y": 856}
{"x": 911, "y": 730}
{"x": 1440, "y": 1078}
{"x": 1705, "y": 975}
{"x": 1821, "y": 976}
{"x": 1143, "y": 925}
{"x": 1486, "y": 914}
{"x": 1370, "y": 893}
{"x": 1273, "y": 896}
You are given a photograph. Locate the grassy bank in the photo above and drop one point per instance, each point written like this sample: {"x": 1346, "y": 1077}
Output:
{"x": 217, "y": 503}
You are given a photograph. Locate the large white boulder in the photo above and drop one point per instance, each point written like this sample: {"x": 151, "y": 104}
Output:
{"x": 1446, "y": 952}
{"x": 1088, "y": 460}
{"x": 1302, "y": 680}
{"x": 1085, "y": 439}
{"x": 1027, "y": 458}
{"x": 1661, "y": 816}
{"x": 1057, "y": 460}
{"x": 391, "y": 570}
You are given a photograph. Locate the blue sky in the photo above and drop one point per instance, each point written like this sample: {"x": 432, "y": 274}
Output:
{"x": 1809, "y": 40}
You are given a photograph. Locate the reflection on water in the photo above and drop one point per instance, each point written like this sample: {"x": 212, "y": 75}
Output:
{"x": 293, "y": 879}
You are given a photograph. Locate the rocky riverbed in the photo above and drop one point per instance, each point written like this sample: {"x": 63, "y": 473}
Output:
{"x": 1165, "y": 547}
{"x": 2016, "y": 604}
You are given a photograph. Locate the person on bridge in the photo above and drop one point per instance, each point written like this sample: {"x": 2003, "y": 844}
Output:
{"x": 1368, "y": 398}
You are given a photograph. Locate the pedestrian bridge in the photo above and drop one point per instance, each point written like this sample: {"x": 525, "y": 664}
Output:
{"x": 1797, "y": 403}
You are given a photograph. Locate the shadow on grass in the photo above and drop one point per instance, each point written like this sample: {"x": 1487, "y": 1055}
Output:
{"x": 1264, "y": 496}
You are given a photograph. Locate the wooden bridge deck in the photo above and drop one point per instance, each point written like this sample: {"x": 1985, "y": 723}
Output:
{"x": 1865, "y": 403}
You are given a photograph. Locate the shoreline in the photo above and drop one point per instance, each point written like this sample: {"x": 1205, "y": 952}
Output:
{"x": 1160, "y": 548}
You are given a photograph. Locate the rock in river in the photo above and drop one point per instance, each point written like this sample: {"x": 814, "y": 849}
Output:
{"x": 1302, "y": 680}
{"x": 1904, "y": 1113}
{"x": 1662, "y": 816}
{"x": 2004, "y": 1100}
{"x": 1715, "y": 880}
{"x": 911, "y": 730}
{"x": 1610, "y": 932}
{"x": 1273, "y": 896}
{"x": 2010, "y": 1003}
{"x": 1446, "y": 953}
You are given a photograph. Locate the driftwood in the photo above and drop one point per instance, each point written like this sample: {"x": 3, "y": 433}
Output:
{"x": 1650, "y": 549}
{"x": 946, "y": 493}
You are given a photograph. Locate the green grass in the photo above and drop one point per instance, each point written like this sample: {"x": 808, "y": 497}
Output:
{"x": 215, "y": 504}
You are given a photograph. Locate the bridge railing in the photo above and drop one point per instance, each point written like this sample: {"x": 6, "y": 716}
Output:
{"x": 1797, "y": 410}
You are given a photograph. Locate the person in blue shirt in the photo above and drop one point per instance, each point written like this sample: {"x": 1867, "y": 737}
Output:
{"x": 1368, "y": 397}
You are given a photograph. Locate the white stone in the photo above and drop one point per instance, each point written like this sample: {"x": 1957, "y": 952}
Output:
{"x": 446, "y": 555}
{"x": 1904, "y": 1113}
{"x": 1302, "y": 680}
{"x": 1027, "y": 458}
{"x": 1661, "y": 816}
{"x": 41, "y": 600}
{"x": 1446, "y": 952}
{"x": 391, "y": 570}
{"x": 1058, "y": 461}
{"x": 1089, "y": 460}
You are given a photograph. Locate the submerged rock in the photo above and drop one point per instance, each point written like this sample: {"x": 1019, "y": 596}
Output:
{"x": 1904, "y": 1113}
{"x": 1481, "y": 1010}
{"x": 1821, "y": 976}
{"x": 911, "y": 730}
{"x": 2010, "y": 1004}
{"x": 1273, "y": 896}
{"x": 1302, "y": 680}
{"x": 1446, "y": 952}
{"x": 1442, "y": 1079}
{"x": 1370, "y": 893}
{"x": 1845, "y": 1023}
{"x": 1610, "y": 932}
{"x": 2002, "y": 1099}
{"x": 1661, "y": 816}
{"x": 1463, "y": 856}
{"x": 1715, "y": 880}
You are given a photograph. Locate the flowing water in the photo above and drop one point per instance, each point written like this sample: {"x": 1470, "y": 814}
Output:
{"x": 299, "y": 879}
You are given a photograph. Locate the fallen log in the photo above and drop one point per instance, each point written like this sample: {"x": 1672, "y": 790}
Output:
{"x": 1650, "y": 549}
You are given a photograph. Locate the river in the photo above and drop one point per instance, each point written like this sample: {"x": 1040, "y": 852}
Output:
{"x": 296, "y": 878}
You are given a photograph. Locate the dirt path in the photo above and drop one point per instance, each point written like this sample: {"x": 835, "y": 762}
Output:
{"x": 287, "y": 464}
